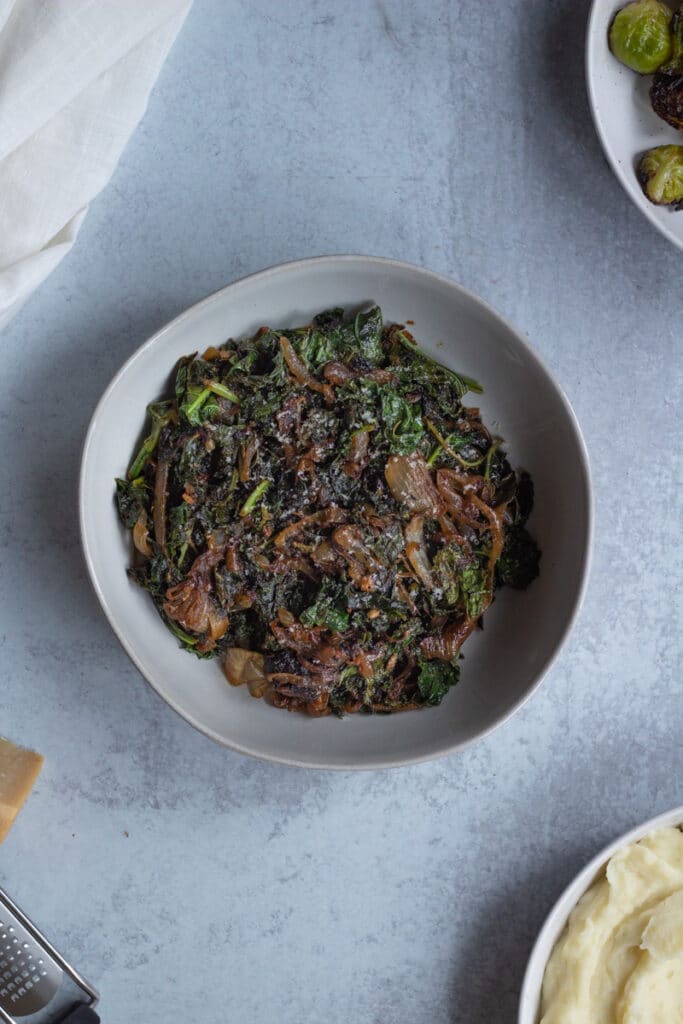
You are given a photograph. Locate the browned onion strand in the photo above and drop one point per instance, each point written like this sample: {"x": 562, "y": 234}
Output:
{"x": 411, "y": 484}
{"x": 321, "y": 511}
{"x": 301, "y": 374}
{"x": 416, "y": 550}
{"x": 141, "y": 537}
{"x": 159, "y": 507}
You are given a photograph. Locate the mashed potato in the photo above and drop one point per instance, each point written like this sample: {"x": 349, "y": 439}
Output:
{"x": 620, "y": 958}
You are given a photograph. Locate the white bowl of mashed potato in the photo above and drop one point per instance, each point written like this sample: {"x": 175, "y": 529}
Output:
{"x": 611, "y": 950}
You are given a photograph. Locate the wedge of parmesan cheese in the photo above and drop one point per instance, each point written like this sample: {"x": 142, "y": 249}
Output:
{"x": 19, "y": 769}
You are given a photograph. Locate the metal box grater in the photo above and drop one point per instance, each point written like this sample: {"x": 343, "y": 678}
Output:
{"x": 37, "y": 985}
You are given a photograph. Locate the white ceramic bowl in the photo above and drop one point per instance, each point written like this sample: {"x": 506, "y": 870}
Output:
{"x": 524, "y": 631}
{"x": 530, "y": 999}
{"x": 626, "y": 123}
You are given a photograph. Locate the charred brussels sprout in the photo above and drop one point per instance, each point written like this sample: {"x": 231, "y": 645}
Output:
{"x": 640, "y": 35}
{"x": 666, "y": 94}
{"x": 660, "y": 172}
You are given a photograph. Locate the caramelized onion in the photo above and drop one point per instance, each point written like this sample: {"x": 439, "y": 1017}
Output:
{"x": 319, "y": 707}
{"x": 358, "y": 457}
{"x": 300, "y": 373}
{"x": 326, "y": 517}
{"x": 190, "y": 603}
{"x": 411, "y": 484}
{"x": 246, "y": 667}
{"x": 287, "y": 682}
{"x": 446, "y": 645}
{"x": 453, "y": 489}
{"x": 288, "y": 417}
{"x": 404, "y": 594}
{"x": 363, "y": 566}
{"x": 286, "y": 618}
{"x": 285, "y": 565}
{"x": 141, "y": 537}
{"x": 337, "y": 373}
{"x": 246, "y": 455}
{"x": 159, "y": 510}
{"x": 326, "y": 558}
{"x": 211, "y": 353}
{"x": 297, "y": 637}
{"x": 364, "y": 665}
{"x": 400, "y": 573}
{"x": 460, "y": 483}
{"x": 232, "y": 562}
{"x": 391, "y": 708}
{"x": 218, "y": 625}
{"x": 215, "y": 542}
{"x": 495, "y": 521}
{"x": 451, "y": 534}
{"x": 416, "y": 550}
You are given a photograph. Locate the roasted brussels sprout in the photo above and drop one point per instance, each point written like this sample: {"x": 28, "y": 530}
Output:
{"x": 660, "y": 172}
{"x": 666, "y": 94}
{"x": 640, "y": 35}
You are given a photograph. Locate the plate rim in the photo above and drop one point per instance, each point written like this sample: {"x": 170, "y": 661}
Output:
{"x": 567, "y": 901}
{"x": 639, "y": 200}
{"x": 287, "y": 267}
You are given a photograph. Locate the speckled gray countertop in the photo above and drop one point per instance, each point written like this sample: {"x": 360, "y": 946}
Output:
{"x": 189, "y": 883}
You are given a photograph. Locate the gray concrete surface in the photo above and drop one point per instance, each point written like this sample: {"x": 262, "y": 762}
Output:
{"x": 191, "y": 884}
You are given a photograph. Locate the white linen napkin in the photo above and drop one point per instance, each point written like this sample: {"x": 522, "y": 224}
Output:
{"x": 75, "y": 76}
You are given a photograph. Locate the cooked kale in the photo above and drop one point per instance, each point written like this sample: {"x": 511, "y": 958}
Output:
{"x": 435, "y": 680}
{"x": 518, "y": 564}
{"x": 318, "y": 508}
{"x": 130, "y": 500}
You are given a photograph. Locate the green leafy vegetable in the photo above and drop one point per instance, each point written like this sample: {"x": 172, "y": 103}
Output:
{"x": 130, "y": 499}
{"x": 426, "y": 370}
{"x": 367, "y": 328}
{"x": 462, "y": 578}
{"x": 179, "y": 533}
{"x": 254, "y": 498}
{"x": 160, "y": 414}
{"x": 316, "y": 348}
{"x": 435, "y": 680}
{"x": 402, "y": 420}
{"x": 222, "y": 391}
{"x": 330, "y": 609}
{"x": 317, "y": 508}
{"x": 518, "y": 565}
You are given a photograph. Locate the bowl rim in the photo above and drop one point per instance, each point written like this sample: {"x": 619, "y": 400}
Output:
{"x": 586, "y": 559}
{"x": 645, "y": 207}
{"x": 554, "y": 924}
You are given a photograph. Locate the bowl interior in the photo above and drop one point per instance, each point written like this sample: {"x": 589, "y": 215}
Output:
{"x": 625, "y": 121}
{"x": 523, "y": 631}
{"x": 530, "y": 1000}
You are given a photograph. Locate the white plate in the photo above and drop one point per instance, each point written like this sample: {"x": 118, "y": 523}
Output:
{"x": 530, "y": 1000}
{"x": 625, "y": 121}
{"x": 523, "y": 632}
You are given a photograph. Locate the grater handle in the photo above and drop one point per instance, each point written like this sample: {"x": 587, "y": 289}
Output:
{"x": 82, "y": 1015}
